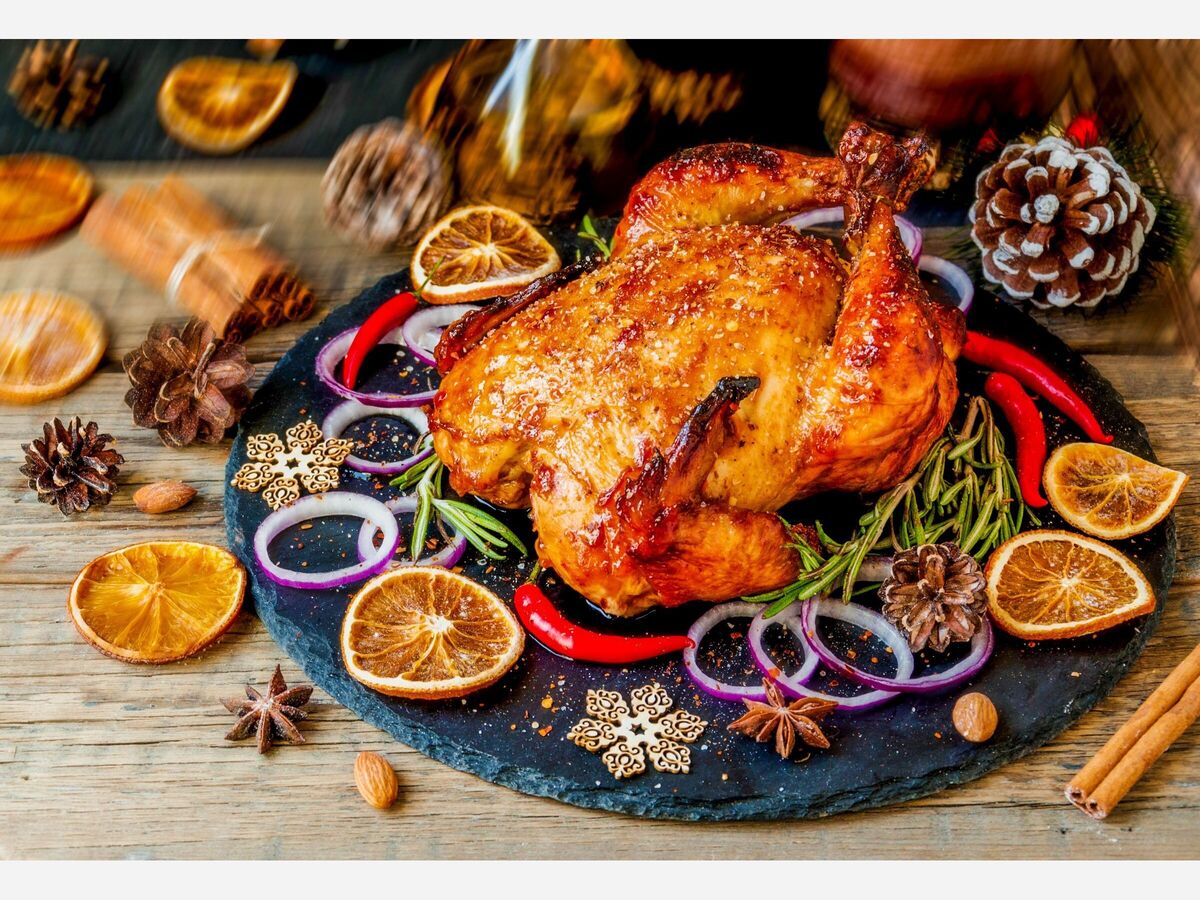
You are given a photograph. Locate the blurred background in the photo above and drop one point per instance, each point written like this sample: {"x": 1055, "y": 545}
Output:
{"x": 555, "y": 128}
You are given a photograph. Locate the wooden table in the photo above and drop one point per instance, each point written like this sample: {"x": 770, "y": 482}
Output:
{"x": 102, "y": 759}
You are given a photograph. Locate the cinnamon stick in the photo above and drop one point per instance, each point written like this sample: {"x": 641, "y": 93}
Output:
{"x": 175, "y": 239}
{"x": 1143, "y": 754}
{"x": 1129, "y": 750}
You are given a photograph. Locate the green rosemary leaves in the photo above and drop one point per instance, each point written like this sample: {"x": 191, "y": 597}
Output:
{"x": 483, "y": 531}
{"x": 964, "y": 490}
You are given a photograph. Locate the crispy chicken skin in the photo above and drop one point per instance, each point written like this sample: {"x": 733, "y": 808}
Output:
{"x": 655, "y": 411}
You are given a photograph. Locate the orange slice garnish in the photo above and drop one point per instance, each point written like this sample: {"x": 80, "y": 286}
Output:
{"x": 157, "y": 602}
{"x": 428, "y": 634}
{"x": 218, "y": 105}
{"x": 478, "y": 252}
{"x": 40, "y": 196}
{"x": 49, "y": 343}
{"x": 1109, "y": 493}
{"x": 1055, "y": 584}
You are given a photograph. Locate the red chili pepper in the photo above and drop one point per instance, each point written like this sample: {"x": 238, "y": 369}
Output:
{"x": 1026, "y": 422}
{"x": 542, "y": 619}
{"x": 387, "y": 317}
{"x": 1037, "y": 377}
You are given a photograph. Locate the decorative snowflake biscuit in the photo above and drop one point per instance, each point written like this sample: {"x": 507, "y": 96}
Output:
{"x": 278, "y": 471}
{"x": 630, "y": 733}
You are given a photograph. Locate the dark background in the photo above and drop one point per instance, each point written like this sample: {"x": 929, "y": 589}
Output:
{"x": 366, "y": 81}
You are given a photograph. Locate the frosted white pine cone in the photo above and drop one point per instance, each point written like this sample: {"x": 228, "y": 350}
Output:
{"x": 1059, "y": 225}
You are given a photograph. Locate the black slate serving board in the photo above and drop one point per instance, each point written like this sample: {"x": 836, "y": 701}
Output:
{"x": 514, "y": 734}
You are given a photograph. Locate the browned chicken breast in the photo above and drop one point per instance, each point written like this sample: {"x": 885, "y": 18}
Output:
{"x": 655, "y": 412}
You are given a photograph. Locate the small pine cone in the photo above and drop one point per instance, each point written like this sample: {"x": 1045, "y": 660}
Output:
{"x": 387, "y": 184}
{"x": 190, "y": 386}
{"x": 1059, "y": 225}
{"x": 52, "y": 88}
{"x": 71, "y": 466}
{"x": 935, "y": 595}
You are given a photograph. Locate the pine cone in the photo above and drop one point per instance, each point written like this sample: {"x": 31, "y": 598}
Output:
{"x": 71, "y": 466}
{"x": 189, "y": 386}
{"x": 935, "y": 594}
{"x": 1059, "y": 225}
{"x": 51, "y": 87}
{"x": 386, "y": 184}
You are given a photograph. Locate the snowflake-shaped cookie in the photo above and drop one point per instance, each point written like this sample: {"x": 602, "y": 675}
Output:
{"x": 279, "y": 471}
{"x": 632, "y": 732}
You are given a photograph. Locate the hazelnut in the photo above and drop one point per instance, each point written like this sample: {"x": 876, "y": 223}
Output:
{"x": 975, "y": 717}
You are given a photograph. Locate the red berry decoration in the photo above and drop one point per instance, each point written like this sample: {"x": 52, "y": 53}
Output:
{"x": 1084, "y": 130}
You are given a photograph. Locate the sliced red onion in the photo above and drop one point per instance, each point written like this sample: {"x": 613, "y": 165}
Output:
{"x": 314, "y": 506}
{"x": 790, "y": 618}
{"x": 345, "y": 414}
{"x": 701, "y": 627}
{"x": 981, "y": 649}
{"x": 423, "y": 328}
{"x": 953, "y": 275}
{"x": 910, "y": 234}
{"x": 448, "y": 557}
{"x": 335, "y": 351}
{"x": 875, "y": 568}
{"x": 874, "y": 623}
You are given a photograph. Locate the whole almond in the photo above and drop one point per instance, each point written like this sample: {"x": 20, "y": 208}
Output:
{"x": 975, "y": 717}
{"x": 375, "y": 780}
{"x": 163, "y": 497}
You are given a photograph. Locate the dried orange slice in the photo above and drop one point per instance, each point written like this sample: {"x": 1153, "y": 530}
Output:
{"x": 1109, "y": 493}
{"x": 1056, "y": 584}
{"x": 40, "y": 196}
{"x": 478, "y": 252}
{"x": 49, "y": 343}
{"x": 218, "y": 105}
{"x": 428, "y": 634}
{"x": 157, "y": 602}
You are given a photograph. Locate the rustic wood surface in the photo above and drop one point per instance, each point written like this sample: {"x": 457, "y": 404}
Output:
{"x": 103, "y": 759}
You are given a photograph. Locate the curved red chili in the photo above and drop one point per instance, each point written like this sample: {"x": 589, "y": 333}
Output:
{"x": 388, "y": 316}
{"x": 1018, "y": 407}
{"x": 542, "y": 619}
{"x": 1037, "y": 376}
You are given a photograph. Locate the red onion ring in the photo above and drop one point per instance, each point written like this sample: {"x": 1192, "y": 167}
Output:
{"x": 910, "y": 234}
{"x": 878, "y": 625}
{"x": 953, "y": 275}
{"x": 875, "y": 568}
{"x": 314, "y": 506}
{"x": 335, "y": 351}
{"x": 448, "y": 557}
{"x": 790, "y": 618}
{"x": 981, "y": 650}
{"x": 701, "y": 627}
{"x": 430, "y": 321}
{"x": 345, "y": 414}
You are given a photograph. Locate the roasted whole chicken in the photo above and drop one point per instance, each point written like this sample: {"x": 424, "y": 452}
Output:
{"x": 655, "y": 410}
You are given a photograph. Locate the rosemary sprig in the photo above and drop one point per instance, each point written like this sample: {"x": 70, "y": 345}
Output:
{"x": 587, "y": 231}
{"x": 964, "y": 490}
{"x": 483, "y": 531}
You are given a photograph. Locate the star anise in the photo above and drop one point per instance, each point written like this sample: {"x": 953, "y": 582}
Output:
{"x": 784, "y": 720}
{"x": 270, "y": 717}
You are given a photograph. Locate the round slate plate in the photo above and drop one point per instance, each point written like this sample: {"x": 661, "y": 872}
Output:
{"x": 514, "y": 734}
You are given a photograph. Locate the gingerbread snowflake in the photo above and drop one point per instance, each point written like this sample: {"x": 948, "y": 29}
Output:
{"x": 279, "y": 471}
{"x": 628, "y": 733}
